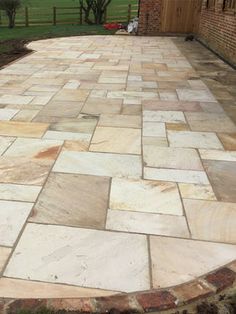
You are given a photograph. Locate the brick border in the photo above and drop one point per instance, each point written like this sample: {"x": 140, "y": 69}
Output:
{"x": 149, "y": 301}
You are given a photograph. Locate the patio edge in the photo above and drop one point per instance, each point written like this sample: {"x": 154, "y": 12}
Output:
{"x": 158, "y": 300}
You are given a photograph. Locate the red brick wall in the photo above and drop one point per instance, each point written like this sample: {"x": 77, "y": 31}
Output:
{"x": 149, "y": 17}
{"x": 217, "y": 29}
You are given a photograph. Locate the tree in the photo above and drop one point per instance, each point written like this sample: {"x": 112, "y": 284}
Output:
{"x": 10, "y": 7}
{"x": 98, "y": 8}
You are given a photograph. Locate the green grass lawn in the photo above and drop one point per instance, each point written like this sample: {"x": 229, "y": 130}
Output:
{"x": 42, "y": 11}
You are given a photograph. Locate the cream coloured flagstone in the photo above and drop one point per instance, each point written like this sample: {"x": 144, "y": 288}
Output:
{"x": 116, "y": 140}
{"x": 19, "y": 192}
{"x": 217, "y": 154}
{"x": 101, "y": 164}
{"x": 147, "y": 223}
{"x": 24, "y": 129}
{"x": 5, "y": 142}
{"x": 211, "y": 220}
{"x": 4, "y": 254}
{"x": 154, "y": 129}
{"x": 171, "y": 158}
{"x": 175, "y": 175}
{"x": 121, "y": 121}
{"x": 7, "y": 114}
{"x": 197, "y": 191}
{"x": 70, "y": 136}
{"x": 163, "y": 116}
{"x": 175, "y": 261}
{"x": 145, "y": 196}
{"x": 97, "y": 259}
{"x": 194, "y": 139}
{"x": 26, "y": 115}
{"x": 15, "y": 99}
{"x": 12, "y": 218}
{"x": 195, "y": 95}
{"x": 35, "y": 289}
{"x": 34, "y": 148}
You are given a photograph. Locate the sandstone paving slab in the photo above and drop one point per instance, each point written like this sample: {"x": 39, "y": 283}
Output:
{"x": 59, "y": 108}
{"x": 197, "y": 191}
{"x": 22, "y": 129}
{"x": 154, "y": 129}
{"x": 7, "y": 114}
{"x": 5, "y": 142}
{"x": 34, "y": 148}
{"x": 200, "y": 257}
{"x": 195, "y": 95}
{"x": 95, "y": 105}
{"x": 116, "y": 140}
{"x": 163, "y": 116}
{"x": 222, "y": 175}
{"x": 176, "y": 175}
{"x": 171, "y": 105}
{"x": 25, "y": 115}
{"x": 145, "y": 196}
{"x": 19, "y": 192}
{"x": 210, "y": 122}
{"x": 85, "y": 209}
{"x": 211, "y": 220}
{"x": 212, "y": 154}
{"x": 22, "y": 170}
{"x": 108, "y": 260}
{"x": 120, "y": 121}
{"x": 69, "y": 136}
{"x": 34, "y": 289}
{"x": 15, "y": 99}
{"x": 147, "y": 223}
{"x": 111, "y": 165}
{"x": 12, "y": 218}
{"x": 228, "y": 140}
{"x": 171, "y": 158}
{"x": 82, "y": 124}
{"x": 4, "y": 255}
{"x": 194, "y": 139}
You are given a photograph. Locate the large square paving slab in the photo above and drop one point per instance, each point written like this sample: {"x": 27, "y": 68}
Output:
{"x": 81, "y": 257}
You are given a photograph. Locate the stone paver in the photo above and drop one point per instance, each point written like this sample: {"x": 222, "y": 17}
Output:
{"x": 117, "y": 170}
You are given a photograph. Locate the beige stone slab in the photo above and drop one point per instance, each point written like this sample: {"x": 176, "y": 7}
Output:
{"x": 121, "y": 121}
{"x": 217, "y": 154}
{"x": 70, "y": 136}
{"x": 172, "y": 158}
{"x": 18, "y": 170}
{"x": 7, "y": 114}
{"x": 19, "y": 192}
{"x": 175, "y": 175}
{"x": 64, "y": 109}
{"x": 5, "y": 142}
{"x": 98, "y": 105}
{"x": 154, "y": 129}
{"x": 111, "y": 165}
{"x": 131, "y": 94}
{"x": 197, "y": 191}
{"x": 131, "y": 109}
{"x": 194, "y": 139}
{"x": 34, "y": 148}
{"x": 79, "y": 146}
{"x": 177, "y": 127}
{"x": 171, "y": 105}
{"x": 15, "y": 99}
{"x": 195, "y": 95}
{"x": 90, "y": 266}
{"x": 211, "y": 220}
{"x": 168, "y": 254}
{"x": 145, "y": 196}
{"x": 210, "y": 122}
{"x": 21, "y": 289}
{"x": 25, "y": 115}
{"x": 22, "y": 129}
{"x": 4, "y": 254}
{"x": 12, "y": 218}
{"x": 147, "y": 223}
{"x": 163, "y": 116}
{"x": 71, "y": 95}
{"x": 228, "y": 140}
{"x": 41, "y": 100}
{"x": 85, "y": 209}
{"x": 116, "y": 140}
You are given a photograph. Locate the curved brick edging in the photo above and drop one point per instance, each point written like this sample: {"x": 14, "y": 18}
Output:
{"x": 148, "y": 301}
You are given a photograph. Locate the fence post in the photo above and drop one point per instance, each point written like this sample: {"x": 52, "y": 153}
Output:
{"x": 26, "y": 17}
{"x": 54, "y": 16}
{"x": 129, "y": 12}
{"x": 80, "y": 15}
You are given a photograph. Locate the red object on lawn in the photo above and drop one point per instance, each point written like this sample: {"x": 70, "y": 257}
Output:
{"x": 110, "y": 26}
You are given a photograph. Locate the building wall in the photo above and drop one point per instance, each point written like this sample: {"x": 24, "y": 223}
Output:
{"x": 217, "y": 30}
{"x": 149, "y": 17}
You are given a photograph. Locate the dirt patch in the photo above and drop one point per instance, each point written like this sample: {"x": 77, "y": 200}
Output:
{"x": 11, "y": 50}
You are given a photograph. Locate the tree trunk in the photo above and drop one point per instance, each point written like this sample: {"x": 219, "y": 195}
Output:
{"x": 11, "y": 18}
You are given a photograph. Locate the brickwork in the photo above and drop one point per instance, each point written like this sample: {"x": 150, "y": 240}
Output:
{"x": 218, "y": 30}
{"x": 150, "y": 17}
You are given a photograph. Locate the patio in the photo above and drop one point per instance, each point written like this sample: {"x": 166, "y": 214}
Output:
{"x": 117, "y": 170}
